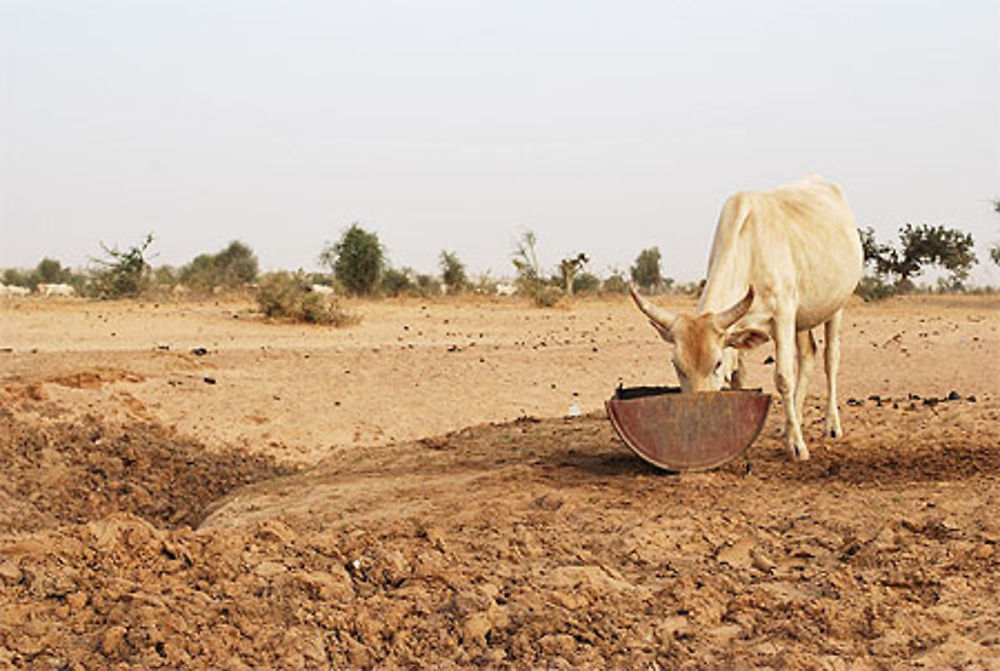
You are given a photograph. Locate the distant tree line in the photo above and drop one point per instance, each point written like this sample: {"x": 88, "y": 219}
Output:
{"x": 357, "y": 264}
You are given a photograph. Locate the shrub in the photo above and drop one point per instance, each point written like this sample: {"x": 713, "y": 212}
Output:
{"x": 873, "y": 288}
{"x": 396, "y": 282}
{"x": 287, "y": 296}
{"x": 615, "y": 284}
{"x": 586, "y": 283}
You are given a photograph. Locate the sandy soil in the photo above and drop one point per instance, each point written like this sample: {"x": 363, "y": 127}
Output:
{"x": 188, "y": 486}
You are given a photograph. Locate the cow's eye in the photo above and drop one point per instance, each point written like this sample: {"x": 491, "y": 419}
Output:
{"x": 718, "y": 365}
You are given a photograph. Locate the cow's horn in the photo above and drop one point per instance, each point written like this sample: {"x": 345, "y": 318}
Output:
{"x": 664, "y": 318}
{"x": 727, "y": 318}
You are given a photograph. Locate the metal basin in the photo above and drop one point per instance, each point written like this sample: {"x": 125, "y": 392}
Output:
{"x": 687, "y": 432}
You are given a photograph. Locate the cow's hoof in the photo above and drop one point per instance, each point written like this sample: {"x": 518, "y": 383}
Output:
{"x": 799, "y": 452}
{"x": 834, "y": 430}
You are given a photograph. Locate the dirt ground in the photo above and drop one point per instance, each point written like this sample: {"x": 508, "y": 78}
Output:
{"x": 186, "y": 486}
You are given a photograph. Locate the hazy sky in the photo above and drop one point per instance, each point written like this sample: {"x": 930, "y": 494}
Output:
{"x": 605, "y": 127}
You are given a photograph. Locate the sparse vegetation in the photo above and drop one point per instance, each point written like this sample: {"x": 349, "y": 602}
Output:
{"x": 529, "y": 273}
{"x": 357, "y": 260}
{"x": 48, "y": 271}
{"x": 615, "y": 283}
{"x": 123, "y": 274}
{"x": 287, "y": 296}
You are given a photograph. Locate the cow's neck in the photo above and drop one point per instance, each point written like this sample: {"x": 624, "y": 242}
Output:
{"x": 727, "y": 282}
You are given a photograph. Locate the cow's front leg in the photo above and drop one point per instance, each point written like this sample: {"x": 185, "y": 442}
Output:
{"x": 784, "y": 381}
{"x": 831, "y": 360}
{"x": 805, "y": 347}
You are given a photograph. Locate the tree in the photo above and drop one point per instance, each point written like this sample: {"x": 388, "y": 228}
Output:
{"x": 237, "y": 265}
{"x": 357, "y": 260}
{"x": 16, "y": 278}
{"x": 233, "y": 267}
{"x": 569, "y": 267}
{"x": 124, "y": 273}
{"x": 920, "y": 246}
{"x": 646, "y": 271}
{"x": 50, "y": 271}
{"x": 453, "y": 272}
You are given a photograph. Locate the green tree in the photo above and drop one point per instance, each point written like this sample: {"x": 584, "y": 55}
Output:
{"x": 920, "y": 246}
{"x": 50, "y": 271}
{"x": 237, "y": 265}
{"x": 233, "y": 267}
{"x": 453, "y": 272}
{"x": 17, "y": 278}
{"x": 646, "y": 271}
{"x": 124, "y": 274}
{"x": 357, "y": 260}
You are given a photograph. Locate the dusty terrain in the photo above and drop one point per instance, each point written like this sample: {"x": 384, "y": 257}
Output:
{"x": 186, "y": 486}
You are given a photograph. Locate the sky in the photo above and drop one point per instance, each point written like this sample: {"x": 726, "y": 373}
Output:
{"x": 603, "y": 127}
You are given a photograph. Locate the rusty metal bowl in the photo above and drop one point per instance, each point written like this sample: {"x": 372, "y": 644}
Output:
{"x": 687, "y": 432}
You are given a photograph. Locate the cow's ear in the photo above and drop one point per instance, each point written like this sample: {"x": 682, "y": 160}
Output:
{"x": 663, "y": 331}
{"x": 746, "y": 339}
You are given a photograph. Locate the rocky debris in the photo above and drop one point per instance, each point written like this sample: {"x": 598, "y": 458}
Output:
{"x": 533, "y": 544}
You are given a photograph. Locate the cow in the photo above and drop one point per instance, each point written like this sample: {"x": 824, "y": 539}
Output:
{"x": 321, "y": 289}
{"x": 11, "y": 290}
{"x": 783, "y": 262}
{"x": 56, "y": 290}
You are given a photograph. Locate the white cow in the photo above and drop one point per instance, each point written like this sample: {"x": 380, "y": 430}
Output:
{"x": 56, "y": 290}
{"x": 321, "y": 289}
{"x": 506, "y": 289}
{"x": 783, "y": 262}
{"x": 11, "y": 290}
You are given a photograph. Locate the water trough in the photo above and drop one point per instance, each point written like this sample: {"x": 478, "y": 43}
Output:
{"x": 687, "y": 432}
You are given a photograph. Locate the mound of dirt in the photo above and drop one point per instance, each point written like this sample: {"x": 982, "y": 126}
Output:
{"x": 517, "y": 545}
{"x": 58, "y": 473}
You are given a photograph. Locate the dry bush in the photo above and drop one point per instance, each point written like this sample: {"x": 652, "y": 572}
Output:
{"x": 287, "y": 296}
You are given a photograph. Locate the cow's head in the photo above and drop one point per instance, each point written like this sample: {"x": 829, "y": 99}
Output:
{"x": 701, "y": 358}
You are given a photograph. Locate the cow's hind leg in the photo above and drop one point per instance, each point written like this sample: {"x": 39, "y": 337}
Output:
{"x": 784, "y": 381}
{"x": 806, "y": 358}
{"x": 831, "y": 360}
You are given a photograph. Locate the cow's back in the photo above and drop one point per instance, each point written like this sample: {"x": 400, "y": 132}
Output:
{"x": 798, "y": 241}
